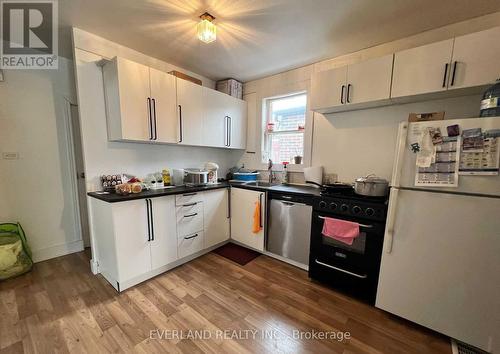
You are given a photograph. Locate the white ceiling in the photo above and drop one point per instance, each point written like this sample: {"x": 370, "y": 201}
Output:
{"x": 256, "y": 38}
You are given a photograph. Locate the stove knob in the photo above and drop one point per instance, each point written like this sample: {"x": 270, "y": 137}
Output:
{"x": 356, "y": 209}
{"x": 344, "y": 207}
{"x": 369, "y": 211}
{"x": 333, "y": 206}
{"x": 322, "y": 204}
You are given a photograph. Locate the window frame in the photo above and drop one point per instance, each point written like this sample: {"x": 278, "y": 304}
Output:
{"x": 267, "y": 114}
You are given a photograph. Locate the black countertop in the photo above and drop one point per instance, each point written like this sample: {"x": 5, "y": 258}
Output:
{"x": 278, "y": 188}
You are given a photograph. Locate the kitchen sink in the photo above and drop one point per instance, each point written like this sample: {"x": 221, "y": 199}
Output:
{"x": 261, "y": 184}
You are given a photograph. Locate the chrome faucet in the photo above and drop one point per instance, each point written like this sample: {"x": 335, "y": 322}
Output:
{"x": 270, "y": 170}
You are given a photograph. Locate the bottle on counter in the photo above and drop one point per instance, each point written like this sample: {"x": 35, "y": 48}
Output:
{"x": 285, "y": 173}
{"x": 166, "y": 177}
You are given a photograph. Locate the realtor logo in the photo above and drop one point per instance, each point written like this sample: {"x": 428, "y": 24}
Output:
{"x": 29, "y": 34}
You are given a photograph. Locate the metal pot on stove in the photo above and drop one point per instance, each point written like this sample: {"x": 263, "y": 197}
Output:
{"x": 371, "y": 186}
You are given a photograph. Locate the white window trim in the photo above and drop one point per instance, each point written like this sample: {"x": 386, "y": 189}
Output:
{"x": 296, "y": 88}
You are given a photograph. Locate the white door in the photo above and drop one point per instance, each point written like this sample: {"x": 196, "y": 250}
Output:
{"x": 328, "y": 89}
{"x": 132, "y": 237}
{"x": 190, "y": 112}
{"x": 133, "y": 93}
{"x": 443, "y": 269}
{"x": 476, "y": 59}
{"x": 243, "y": 205}
{"x": 215, "y": 119}
{"x": 164, "y": 242}
{"x": 164, "y": 106}
{"x": 216, "y": 216}
{"x": 422, "y": 70}
{"x": 237, "y": 113}
{"x": 252, "y": 114}
{"x": 369, "y": 80}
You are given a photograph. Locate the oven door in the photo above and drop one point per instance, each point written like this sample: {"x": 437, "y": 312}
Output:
{"x": 356, "y": 260}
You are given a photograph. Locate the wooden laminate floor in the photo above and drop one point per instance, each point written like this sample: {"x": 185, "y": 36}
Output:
{"x": 61, "y": 307}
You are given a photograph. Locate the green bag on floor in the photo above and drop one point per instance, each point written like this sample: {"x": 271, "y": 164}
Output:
{"x": 15, "y": 255}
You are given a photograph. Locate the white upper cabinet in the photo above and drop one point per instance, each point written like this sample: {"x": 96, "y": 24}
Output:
{"x": 476, "y": 59}
{"x": 190, "y": 112}
{"x": 328, "y": 89}
{"x": 163, "y": 105}
{"x": 140, "y": 102}
{"x": 237, "y": 128}
{"x": 422, "y": 70}
{"x": 369, "y": 80}
{"x": 215, "y": 118}
{"x": 353, "y": 86}
{"x": 127, "y": 97}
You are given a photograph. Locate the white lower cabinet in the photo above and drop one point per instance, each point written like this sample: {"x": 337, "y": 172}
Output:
{"x": 216, "y": 216}
{"x": 190, "y": 244}
{"x": 163, "y": 245}
{"x": 243, "y": 206}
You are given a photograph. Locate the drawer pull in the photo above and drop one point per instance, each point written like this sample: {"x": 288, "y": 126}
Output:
{"x": 188, "y": 205}
{"x": 190, "y": 237}
{"x": 189, "y": 194}
{"x": 190, "y": 215}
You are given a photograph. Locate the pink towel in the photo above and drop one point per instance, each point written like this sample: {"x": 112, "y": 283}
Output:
{"x": 341, "y": 230}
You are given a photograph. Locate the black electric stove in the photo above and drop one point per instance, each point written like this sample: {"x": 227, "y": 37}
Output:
{"x": 352, "y": 269}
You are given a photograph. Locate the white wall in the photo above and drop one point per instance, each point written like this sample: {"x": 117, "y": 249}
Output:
{"x": 351, "y": 144}
{"x": 36, "y": 188}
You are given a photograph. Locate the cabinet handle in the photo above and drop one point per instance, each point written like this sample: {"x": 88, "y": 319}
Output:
{"x": 342, "y": 94}
{"x": 454, "y": 72}
{"x": 150, "y": 122}
{"x": 228, "y": 205}
{"x": 348, "y": 95}
{"x": 155, "y": 136}
{"x": 180, "y": 124}
{"x": 230, "y": 130}
{"x": 445, "y": 74}
{"x": 189, "y": 194}
{"x": 190, "y": 215}
{"x": 260, "y": 214}
{"x": 190, "y": 237}
{"x": 149, "y": 220}
{"x": 226, "y": 130}
{"x": 152, "y": 221}
{"x": 188, "y": 205}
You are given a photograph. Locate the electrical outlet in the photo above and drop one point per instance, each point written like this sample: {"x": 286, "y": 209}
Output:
{"x": 10, "y": 155}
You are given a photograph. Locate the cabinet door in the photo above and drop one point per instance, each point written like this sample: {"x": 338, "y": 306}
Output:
{"x": 164, "y": 99}
{"x": 127, "y": 91}
{"x": 133, "y": 252}
{"x": 243, "y": 204}
{"x": 189, "y": 102}
{"x": 326, "y": 88}
{"x": 164, "y": 243}
{"x": 214, "y": 118}
{"x": 422, "y": 70}
{"x": 237, "y": 112}
{"x": 369, "y": 80}
{"x": 476, "y": 59}
{"x": 216, "y": 216}
{"x": 252, "y": 117}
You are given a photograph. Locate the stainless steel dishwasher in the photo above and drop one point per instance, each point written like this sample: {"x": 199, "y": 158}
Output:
{"x": 289, "y": 227}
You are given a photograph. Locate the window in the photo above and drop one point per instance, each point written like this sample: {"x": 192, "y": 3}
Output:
{"x": 284, "y": 124}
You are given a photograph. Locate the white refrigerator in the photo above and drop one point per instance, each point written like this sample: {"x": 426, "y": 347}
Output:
{"x": 441, "y": 259}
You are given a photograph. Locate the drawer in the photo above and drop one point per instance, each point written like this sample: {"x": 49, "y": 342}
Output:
{"x": 189, "y": 218}
{"x": 190, "y": 244}
{"x": 188, "y": 198}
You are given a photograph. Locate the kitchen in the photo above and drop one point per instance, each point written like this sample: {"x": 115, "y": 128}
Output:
{"x": 207, "y": 251}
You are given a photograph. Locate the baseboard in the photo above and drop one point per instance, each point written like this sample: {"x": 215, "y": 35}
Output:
{"x": 57, "y": 251}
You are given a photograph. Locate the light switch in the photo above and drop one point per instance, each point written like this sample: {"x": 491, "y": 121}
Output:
{"x": 10, "y": 155}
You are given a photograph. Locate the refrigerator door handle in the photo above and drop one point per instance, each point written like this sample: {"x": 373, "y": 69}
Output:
{"x": 391, "y": 220}
{"x": 400, "y": 150}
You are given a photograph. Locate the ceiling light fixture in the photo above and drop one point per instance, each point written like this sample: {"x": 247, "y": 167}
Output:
{"x": 207, "y": 32}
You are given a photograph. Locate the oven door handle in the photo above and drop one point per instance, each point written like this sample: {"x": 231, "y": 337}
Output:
{"x": 364, "y": 276}
{"x": 360, "y": 225}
